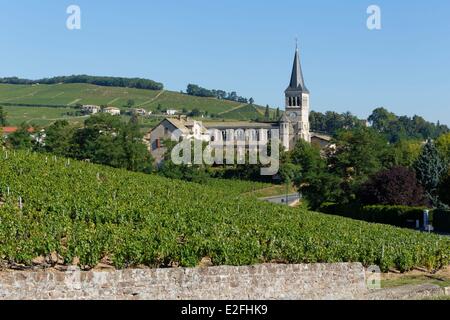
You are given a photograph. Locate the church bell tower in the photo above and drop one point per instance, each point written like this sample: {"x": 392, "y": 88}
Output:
{"x": 297, "y": 105}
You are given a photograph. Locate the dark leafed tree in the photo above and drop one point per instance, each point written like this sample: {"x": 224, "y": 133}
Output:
{"x": 267, "y": 113}
{"x": 277, "y": 115}
{"x": 251, "y": 101}
{"x": 395, "y": 186}
{"x": 444, "y": 190}
{"x": 430, "y": 168}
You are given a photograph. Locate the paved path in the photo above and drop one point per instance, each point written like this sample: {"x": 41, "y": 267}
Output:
{"x": 291, "y": 199}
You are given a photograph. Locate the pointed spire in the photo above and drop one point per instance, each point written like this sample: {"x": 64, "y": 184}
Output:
{"x": 297, "y": 82}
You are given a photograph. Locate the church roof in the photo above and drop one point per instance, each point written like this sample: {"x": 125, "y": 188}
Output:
{"x": 297, "y": 82}
{"x": 321, "y": 136}
{"x": 284, "y": 118}
{"x": 240, "y": 125}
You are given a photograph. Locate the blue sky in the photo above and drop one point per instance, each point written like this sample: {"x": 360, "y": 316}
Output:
{"x": 247, "y": 46}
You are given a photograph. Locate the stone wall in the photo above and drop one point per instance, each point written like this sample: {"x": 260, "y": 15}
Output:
{"x": 261, "y": 282}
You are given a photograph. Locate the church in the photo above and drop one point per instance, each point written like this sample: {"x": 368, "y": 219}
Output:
{"x": 293, "y": 125}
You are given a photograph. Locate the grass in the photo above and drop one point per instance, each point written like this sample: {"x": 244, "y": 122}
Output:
{"x": 275, "y": 190}
{"x": 441, "y": 278}
{"x": 42, "y": 116}
{"x": 440, "y": 298}
{"x": 416, "y": 280}
{"x": 245, "y": 112}
{"x": 70, "y": 95}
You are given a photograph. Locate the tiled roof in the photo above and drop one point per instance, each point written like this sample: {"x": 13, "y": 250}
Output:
{"x": 9, "y": 130}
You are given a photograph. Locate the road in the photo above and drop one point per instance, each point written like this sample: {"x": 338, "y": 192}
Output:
{"x": 291, "y": 199}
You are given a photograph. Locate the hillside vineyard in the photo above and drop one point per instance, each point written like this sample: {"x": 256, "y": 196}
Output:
{"x": 76, "y": 209}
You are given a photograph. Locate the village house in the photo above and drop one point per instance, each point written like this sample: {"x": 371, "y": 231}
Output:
{"x": 112, "y": 111}
{"x": 140, "y": 112}
{"x": 90, "y": 109}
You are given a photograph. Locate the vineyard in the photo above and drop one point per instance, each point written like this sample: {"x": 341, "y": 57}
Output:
{"x": 95, "y": 213}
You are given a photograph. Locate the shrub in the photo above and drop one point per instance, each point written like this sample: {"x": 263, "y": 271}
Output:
{"x": 395, "y": 186}
{"x": 444, "y": 190}
{"x": 441, "y": 220}
{"x": 400, "y": 216}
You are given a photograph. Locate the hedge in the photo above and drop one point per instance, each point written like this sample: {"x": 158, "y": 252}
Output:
{"x": 441, "y": 220}
{"x": 400, "y": 216}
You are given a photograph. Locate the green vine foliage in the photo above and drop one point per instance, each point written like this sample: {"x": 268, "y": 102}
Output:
{"x": 94, "y": 212}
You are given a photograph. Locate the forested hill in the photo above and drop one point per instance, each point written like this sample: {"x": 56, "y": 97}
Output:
{"x": 392, "y": 126}
{"x": 137, "y": 83}
{"x": 35, "y": 98}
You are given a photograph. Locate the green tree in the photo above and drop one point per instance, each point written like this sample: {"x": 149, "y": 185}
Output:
{"x": 320, "y": 187}
{"x": 404, "y": 153}
{"x": 195, "y": 113}
{"x": 430, "y": 168}
{"x": 58, "y": 138}
{"x": 277, "y": 114}
{"x": 308, "y": 158}
{"x": 21, "y": 139}
{"x": 359, "y": 153}
{"x": 312, "y": 177}
{"x": 381, "y": 118}
{"x": 107, "y": 140}
{"x": 251, "y": 101}
{"x": 443, "y": 145}
{"x": 3, "y": 115}
{"x": 267, "y": 113}
{"x": 191, "y": 173}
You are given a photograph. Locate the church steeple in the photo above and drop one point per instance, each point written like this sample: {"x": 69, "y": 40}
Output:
{"x": 297, "y": 82}
{"x": 297, "y": 106}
